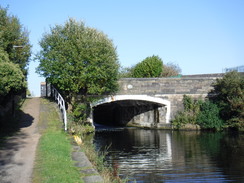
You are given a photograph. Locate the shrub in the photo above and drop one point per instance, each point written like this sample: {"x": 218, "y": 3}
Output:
{"x": 203, "y": 113}
{"x": 209, "y": 117}
{"x": 80, "y": 112}
{"x": 229, "y": 95}
{"x": 189, "y": 114}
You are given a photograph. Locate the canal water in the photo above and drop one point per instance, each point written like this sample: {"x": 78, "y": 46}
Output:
{"x": 143, "y": 155}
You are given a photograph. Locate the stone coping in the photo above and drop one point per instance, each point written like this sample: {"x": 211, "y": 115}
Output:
{"x": 85, "y": 166}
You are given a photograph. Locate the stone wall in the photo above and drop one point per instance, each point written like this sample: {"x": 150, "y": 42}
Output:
{"x": 172, "y": 89}
{"x": 159, "y": 86}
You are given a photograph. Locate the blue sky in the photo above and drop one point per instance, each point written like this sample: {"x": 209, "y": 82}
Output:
{"x": 201, "y": 36}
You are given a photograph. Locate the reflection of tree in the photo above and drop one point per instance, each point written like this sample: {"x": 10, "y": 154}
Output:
{"x": 211, "y": 142}
{"x": 185, "y": 145}
{"x": 189, "y": 156}
{"x": 232, "y": 158}
{"x": 227, "y": 151}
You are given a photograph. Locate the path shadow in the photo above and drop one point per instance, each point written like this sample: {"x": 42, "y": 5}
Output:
{"x": 26, "y": 120}
{"x": 12, "y": 139}
{"x": 11, "y": 125}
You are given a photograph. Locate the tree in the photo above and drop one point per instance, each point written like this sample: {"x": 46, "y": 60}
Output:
{"x": 12, "y": 79}
{"x": 78, "y": 60}
{"x": 170, "y": 69}
{"x": 3, "y": 56}
{"x": 149, "y": 67}
{"x": 14, "y": 40}
{"x": 13, "y": 61}
{"x": 229, "y": 95}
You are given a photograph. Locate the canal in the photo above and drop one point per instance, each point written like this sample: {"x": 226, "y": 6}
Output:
{"x": 143, "y": 155}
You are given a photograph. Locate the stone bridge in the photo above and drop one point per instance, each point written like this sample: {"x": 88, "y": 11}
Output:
{"x": 150, "y": 102}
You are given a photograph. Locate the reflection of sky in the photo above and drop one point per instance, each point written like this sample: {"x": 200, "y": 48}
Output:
{"x": 150, "y": 158}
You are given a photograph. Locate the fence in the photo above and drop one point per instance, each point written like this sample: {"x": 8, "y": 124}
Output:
{"x": 61, "y": 104}
{"x": 238, "y": 69}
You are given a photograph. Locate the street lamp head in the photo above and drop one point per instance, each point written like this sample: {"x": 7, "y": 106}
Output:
{"x": 15, "y": 46}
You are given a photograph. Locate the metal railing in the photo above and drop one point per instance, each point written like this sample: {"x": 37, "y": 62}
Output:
{"x": 61, "y": 104}
{"x": 238, "y": 69}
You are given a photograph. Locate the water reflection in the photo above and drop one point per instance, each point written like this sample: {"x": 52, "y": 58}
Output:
{"x": 169, "y": 156}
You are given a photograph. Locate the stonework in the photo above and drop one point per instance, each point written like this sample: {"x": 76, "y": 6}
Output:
{"x": 171, "y": 89}
{"x": 137, "y": 101}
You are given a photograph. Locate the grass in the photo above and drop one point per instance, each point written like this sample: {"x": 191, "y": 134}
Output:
{"x": 54, "y": 163}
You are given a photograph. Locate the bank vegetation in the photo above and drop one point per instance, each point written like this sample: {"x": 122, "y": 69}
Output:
{"x": 224, "y": 108}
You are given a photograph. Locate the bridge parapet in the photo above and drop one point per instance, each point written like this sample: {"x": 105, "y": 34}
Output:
{"x": 154, "y": 86}
{"x": 172, "y": 89}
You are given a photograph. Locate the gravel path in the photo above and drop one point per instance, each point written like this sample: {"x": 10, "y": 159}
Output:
{"x": 18, "y": 154}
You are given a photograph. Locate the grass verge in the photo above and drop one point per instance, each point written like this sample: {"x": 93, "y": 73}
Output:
{"x": 54, "y": 163}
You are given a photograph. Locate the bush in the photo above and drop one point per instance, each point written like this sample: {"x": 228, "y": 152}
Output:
{"x": 209, "y": 117}
{"x": 181, "y": 119}
{"x": 230, "y": 98}
{"x": 203, "y": 113}
{"x": 81, "y": 112}
{"x": 149, "y": 67}
{"x": 189, "y": 114}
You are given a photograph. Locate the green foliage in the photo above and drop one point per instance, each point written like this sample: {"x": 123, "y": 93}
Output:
{"x": 226, "y": 108}
{"x": 3, "y": 56}
{"x": 146, "y": 70}
{"x": 191, "y": 105}
{"x": 149, "y": 67}
{"x": 209, "y": 117}
{"x": 78, "y": 59}
{"x": 189, "y": 114}
{"x": 80, "y": 112}
{"x": 13, "y": 34}
{"x": 181, "y": 119}
{"x": 229, "y": 95}
{"x": 12, "y": 79}
{"x": 13, "y": 61}
{"x": 203, "y": 113}
{"x": 125, "y": 72}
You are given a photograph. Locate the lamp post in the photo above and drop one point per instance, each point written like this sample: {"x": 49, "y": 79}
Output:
{"x": 13, "y": 101}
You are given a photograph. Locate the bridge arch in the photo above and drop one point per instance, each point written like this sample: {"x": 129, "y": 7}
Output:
{"x": 124, "y": 100}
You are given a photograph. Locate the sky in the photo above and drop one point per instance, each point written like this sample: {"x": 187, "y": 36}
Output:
{"x": 200, "y": 36}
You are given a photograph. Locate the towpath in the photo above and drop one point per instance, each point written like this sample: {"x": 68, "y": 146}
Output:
{"x": 18, "y": 153}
